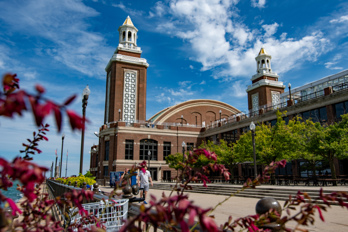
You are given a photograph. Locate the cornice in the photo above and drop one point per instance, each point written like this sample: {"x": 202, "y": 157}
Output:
{"x": 126, "y": 59}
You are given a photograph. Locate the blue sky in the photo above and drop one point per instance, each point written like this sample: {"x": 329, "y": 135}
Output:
{"x": 199, "y": 49}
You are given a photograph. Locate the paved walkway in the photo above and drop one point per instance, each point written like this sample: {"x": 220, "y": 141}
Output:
{"x": 336, "y": 218}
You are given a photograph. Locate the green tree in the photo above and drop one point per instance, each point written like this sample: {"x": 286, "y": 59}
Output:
{"x": 174, "y": 161}
{"x": 224, "y": 153}
{"x": 333, "y": 143}
{"x": 271, "y": 143}
{"x": 308, "y": 134}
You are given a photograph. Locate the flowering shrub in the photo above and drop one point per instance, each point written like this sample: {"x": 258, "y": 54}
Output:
{"x": 79, "y": 180}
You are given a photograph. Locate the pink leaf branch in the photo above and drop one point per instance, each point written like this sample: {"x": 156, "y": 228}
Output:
{"x": 13, "y": 101}
{"x": 32, "y": 147}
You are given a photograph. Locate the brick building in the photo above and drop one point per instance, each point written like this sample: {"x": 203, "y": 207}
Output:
{"x": 127, "y": 138}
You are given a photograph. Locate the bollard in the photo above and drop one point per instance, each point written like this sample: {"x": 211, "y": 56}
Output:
{"x": 263, "y": 206}
{"x": 84, "y": 185}
{"x": 95, "y": 188}
{"x": 127, "y": 191}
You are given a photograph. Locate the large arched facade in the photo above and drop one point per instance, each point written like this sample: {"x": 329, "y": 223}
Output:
{"x": 199, "y": 112}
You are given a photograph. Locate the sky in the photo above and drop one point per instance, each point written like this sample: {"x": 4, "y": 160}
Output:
{"x": 197, "y": 49}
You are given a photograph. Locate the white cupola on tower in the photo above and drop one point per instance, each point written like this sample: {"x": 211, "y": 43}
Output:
{"x": 263, "y": 61}
{"x": 128, "y": 36}
{"x": 263, "y": 66}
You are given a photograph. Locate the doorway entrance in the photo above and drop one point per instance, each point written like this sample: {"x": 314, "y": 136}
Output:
{"x": 153, "y": 172}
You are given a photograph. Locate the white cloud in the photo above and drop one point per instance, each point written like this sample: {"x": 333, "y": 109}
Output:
{"x": 203, "y": 82}
{"x": 160, "y": 9}
{"x": 238, "y": 89}
{"x": 341, "y": 19}
{"x": 30, "y": 75}
{"x": 333, "y": 64}
{"x": 258, "y": 3}
{"x": 191, "y": 66}
{"x": 222, "y": 43}
{"x": 64, "y": 25}
{"x": 270, "y": 29}
{"x": 184, "y": 83}
{"x": 119, "y": 5}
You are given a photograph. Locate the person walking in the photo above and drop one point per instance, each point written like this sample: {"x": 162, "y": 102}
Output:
{"x": 126, "y": 171}
{"x": 143, "y": 181}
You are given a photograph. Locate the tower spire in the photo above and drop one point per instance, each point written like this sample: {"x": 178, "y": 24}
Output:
{"x": 128, "y": 36}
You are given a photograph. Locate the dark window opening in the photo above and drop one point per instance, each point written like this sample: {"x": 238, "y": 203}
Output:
{"x": 190, "y": 146}
{"x": 166, "y": 149}
{"x": 106, "y": 157}
{"x": 167, "y": 176}
{"x": 129, "y": 149}
{"x": 106, "y": 170}
{"x": 340, "y": 109}
{"x": 147, "y": 145}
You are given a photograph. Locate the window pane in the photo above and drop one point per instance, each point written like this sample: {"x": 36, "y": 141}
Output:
{"x": 106, "y": 157}
{"x": 129, "y": 149}
{"x": 189, "y": 146}
{"x": 166, "y": 149}
{"x": 106, "y": 170}
{"x": 339, "y": 109}
{"x": 305, "y": 115}
{"x": 147, "y": 145}
{"x": 323, "y": 115}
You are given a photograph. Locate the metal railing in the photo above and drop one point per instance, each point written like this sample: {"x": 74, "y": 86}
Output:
{"x": 280, "y": 106}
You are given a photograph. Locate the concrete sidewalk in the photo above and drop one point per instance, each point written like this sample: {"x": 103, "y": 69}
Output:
{"x": 336, "y": 218}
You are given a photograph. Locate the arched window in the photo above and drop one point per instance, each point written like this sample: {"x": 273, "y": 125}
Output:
{"x": 129, "y": 36}
{"x": 124, "y": 36}
{"x": 147, "y": 145}
{"x": 262, "y": 63}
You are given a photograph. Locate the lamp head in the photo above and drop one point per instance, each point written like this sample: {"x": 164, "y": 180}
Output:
{"x": 252, "y": 126}
{"x": 183, "y": 144}
{"x": 220, "y": 111}
{"x": 86, "y": 92}
{"x": 119, "y": 110}
{"x": 289, "y": 85}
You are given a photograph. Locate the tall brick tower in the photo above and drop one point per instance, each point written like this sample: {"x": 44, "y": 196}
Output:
{"x": 265, "y": 89}
{"x": 125, "y": 98}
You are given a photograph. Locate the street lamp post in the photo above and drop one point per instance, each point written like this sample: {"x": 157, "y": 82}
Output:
{"x": 85, "y": 95}
{"x": 252, "y": 128}
{"x": 289, "y": 90}
{"x": 220, "y": 115}
{"x": 61, "y": 157}
{"x": 52, "y": 169}
{"x": 183, "y": 160}
{"x": 119, "y": 114}
{"x": 56, "y": 167}
{"x": 149, "y": 157}
{"x": 182, "y": 119}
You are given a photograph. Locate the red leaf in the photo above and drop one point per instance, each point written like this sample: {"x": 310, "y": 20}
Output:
{"x": 58, "y": 117}
{"x": 76, "y": 121}
{"x": 70, "y": 99}
{"x": 40, "y": 89}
